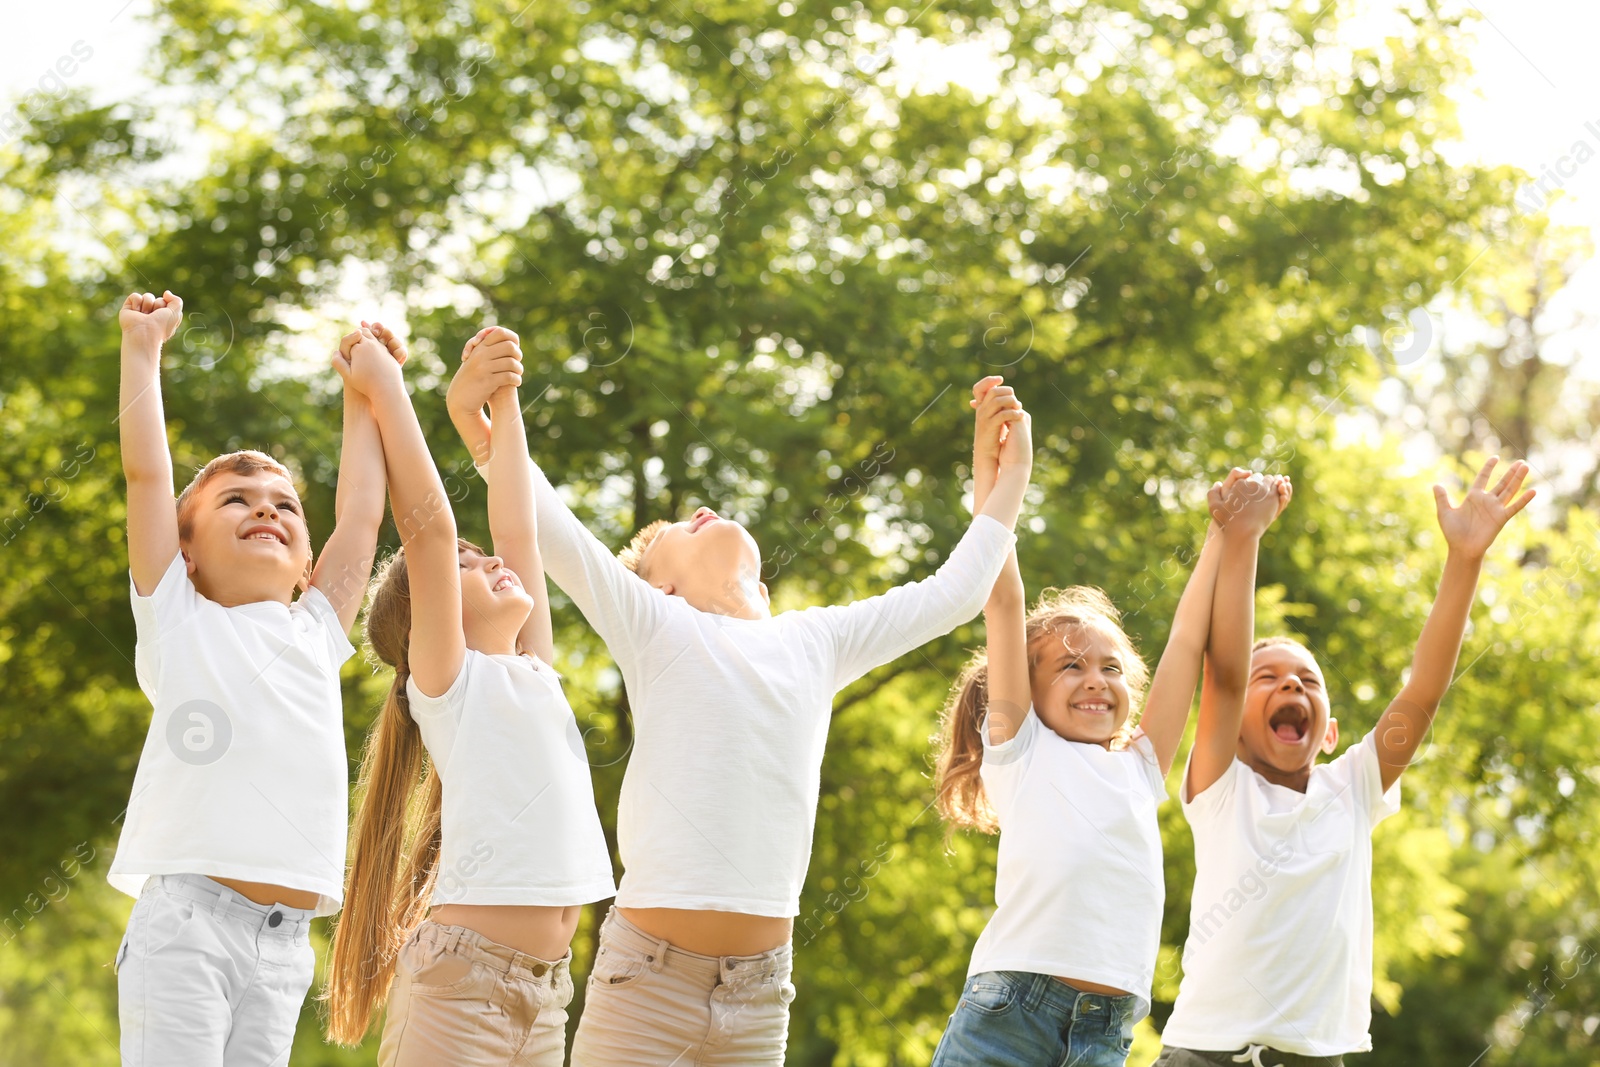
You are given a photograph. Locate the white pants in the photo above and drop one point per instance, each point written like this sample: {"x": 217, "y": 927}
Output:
{"x": 206, "y": 978}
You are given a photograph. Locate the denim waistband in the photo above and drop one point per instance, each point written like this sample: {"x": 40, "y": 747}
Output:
{"x": 503, "y": 958}
{"x": 265, "y": 920}
{"x": 661, "y": 953}
{"x": 1038, "y": 991}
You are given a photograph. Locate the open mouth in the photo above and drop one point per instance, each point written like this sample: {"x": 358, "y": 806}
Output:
{"x": 1290, "y": 722}
{"x": 264, "y": 533}
{"x": 1094, "y": 707}
{"x": 505, "y": 582}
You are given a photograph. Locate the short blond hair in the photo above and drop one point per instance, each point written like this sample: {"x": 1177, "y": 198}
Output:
{"x": 246, "y": 461}
{"x": 632, "y": 556}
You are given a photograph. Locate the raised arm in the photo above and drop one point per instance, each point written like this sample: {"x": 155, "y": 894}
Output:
{"x": 422, "y": 516}
{"x": 345, "y": 564}
{"x": 1469, "y": 530}
{"x": 871, "y": 632}
{"x": 1171, "y": 695}
{"x": 1005, "y": 432}
{"x": 513, "y": 516}
{"x": 1009, "y": 686}
{"x": 1244, "y": 510}
{"x": 622, "y": 607}
{"x": 473, "y": 383}
{"x": 147, "y": 321}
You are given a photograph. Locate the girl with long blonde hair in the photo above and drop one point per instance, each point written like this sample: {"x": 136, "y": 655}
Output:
{"x": 477, "y": 840}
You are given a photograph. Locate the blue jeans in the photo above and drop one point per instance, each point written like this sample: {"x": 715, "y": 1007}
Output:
{"x": 1016, "y": 1019}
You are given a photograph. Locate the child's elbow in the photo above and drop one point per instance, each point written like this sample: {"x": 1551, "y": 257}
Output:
{"x": 1005, "y": 596}
{"x": 427, "y": 523}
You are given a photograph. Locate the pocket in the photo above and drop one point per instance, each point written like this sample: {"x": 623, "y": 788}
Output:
{"x": 1125, "y": 1030}
{"x": 615, "y": 968}
{"x": 438, "y": 973}
{"x": 1328, "y": 834}
{"x": 561, "y": 991}
{"x": 166, "y": 922}
{"x": 990, "y": 993}
{"x": 122, "y": 953}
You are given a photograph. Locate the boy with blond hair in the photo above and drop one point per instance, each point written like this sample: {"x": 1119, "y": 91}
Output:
{"x": 730, "y": 708}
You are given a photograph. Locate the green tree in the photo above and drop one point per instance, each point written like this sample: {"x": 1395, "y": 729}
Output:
{"x": 756, "y": 255}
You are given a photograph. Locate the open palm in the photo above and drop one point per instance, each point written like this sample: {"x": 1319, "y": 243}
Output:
{"x": 1472, "y": 525}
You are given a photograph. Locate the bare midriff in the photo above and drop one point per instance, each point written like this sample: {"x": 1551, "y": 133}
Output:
{"x": 267, "y": 894}
{"x": 712, "y": 933}
{"x": 541, "y": 932}
{"x": 1091, "y": 987}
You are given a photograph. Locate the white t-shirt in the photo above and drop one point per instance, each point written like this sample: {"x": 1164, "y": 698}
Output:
{"x": 1078, "y": 887}
{"x": 518, "y": 824}
{"x": 1280, "y": 928}
{"x": 730, "y": 715}
{"x": 243, "y": 771}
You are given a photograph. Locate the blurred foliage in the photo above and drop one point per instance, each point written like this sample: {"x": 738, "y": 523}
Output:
{"x": 756, "y": 255}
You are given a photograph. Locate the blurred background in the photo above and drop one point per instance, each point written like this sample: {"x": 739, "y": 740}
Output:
{"x": 757, "y": 254}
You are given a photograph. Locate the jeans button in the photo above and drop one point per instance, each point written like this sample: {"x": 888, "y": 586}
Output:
{"x": 275, "y": 918}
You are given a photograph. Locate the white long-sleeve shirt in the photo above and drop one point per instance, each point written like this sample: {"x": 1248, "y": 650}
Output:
{"x": 730, "y": 715}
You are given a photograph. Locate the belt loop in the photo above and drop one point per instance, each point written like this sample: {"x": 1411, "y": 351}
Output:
{"x": 659, "y": 952}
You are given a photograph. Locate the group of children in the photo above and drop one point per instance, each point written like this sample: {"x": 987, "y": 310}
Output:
{"x": 476, "y": 842}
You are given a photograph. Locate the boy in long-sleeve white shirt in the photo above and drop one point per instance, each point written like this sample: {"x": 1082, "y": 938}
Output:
{"x": 730, "y": 707}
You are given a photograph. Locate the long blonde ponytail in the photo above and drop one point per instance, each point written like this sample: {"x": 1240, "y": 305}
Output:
{"x": 396, "y": 834}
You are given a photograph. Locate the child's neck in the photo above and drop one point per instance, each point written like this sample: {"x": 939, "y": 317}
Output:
{"x": 1297, "y": 779}
{"x": 495, "y": 648}
{"x": 736, "y": 602}
{"x": 233, "y": 594}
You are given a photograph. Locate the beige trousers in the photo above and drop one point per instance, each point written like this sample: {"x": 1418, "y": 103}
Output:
{"x": 648, "y": 1004}
{"x": 461, "y": 999}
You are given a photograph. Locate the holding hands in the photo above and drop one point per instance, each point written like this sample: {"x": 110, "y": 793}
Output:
{"x": 369, "y": 358}
{"x": 1471, "y": 527}
{"x": 491, "y": 370}
{"x": 1003, "y": 436}
{"x": 1247, "y": 503}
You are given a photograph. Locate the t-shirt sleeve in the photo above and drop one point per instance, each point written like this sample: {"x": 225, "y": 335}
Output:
{"x": 1359, "y": 765}
{"x": 1004, "y": 764}
{"x": 173, "y": 600}
{"x": 624, "y": 609}
{"x": 1214, "y": 801}
{"x": 1143, "y": 753}
{"x": 869, "y": 633}
{"x": 315, "y": 603}
{"x": 441, "y": 714}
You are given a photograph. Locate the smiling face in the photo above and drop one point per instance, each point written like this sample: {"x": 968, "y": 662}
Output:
{"x": 711, "y": 562}
{"x": 494, "y": 604}
{"x": 1287, "y": 720}
{"x": 245, "y": 538}
{"x": 1080, "y": 688}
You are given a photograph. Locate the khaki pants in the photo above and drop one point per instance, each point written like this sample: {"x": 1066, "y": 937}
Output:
{"x": 648, "y": 1004}
{"x": 461, "y": 999}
